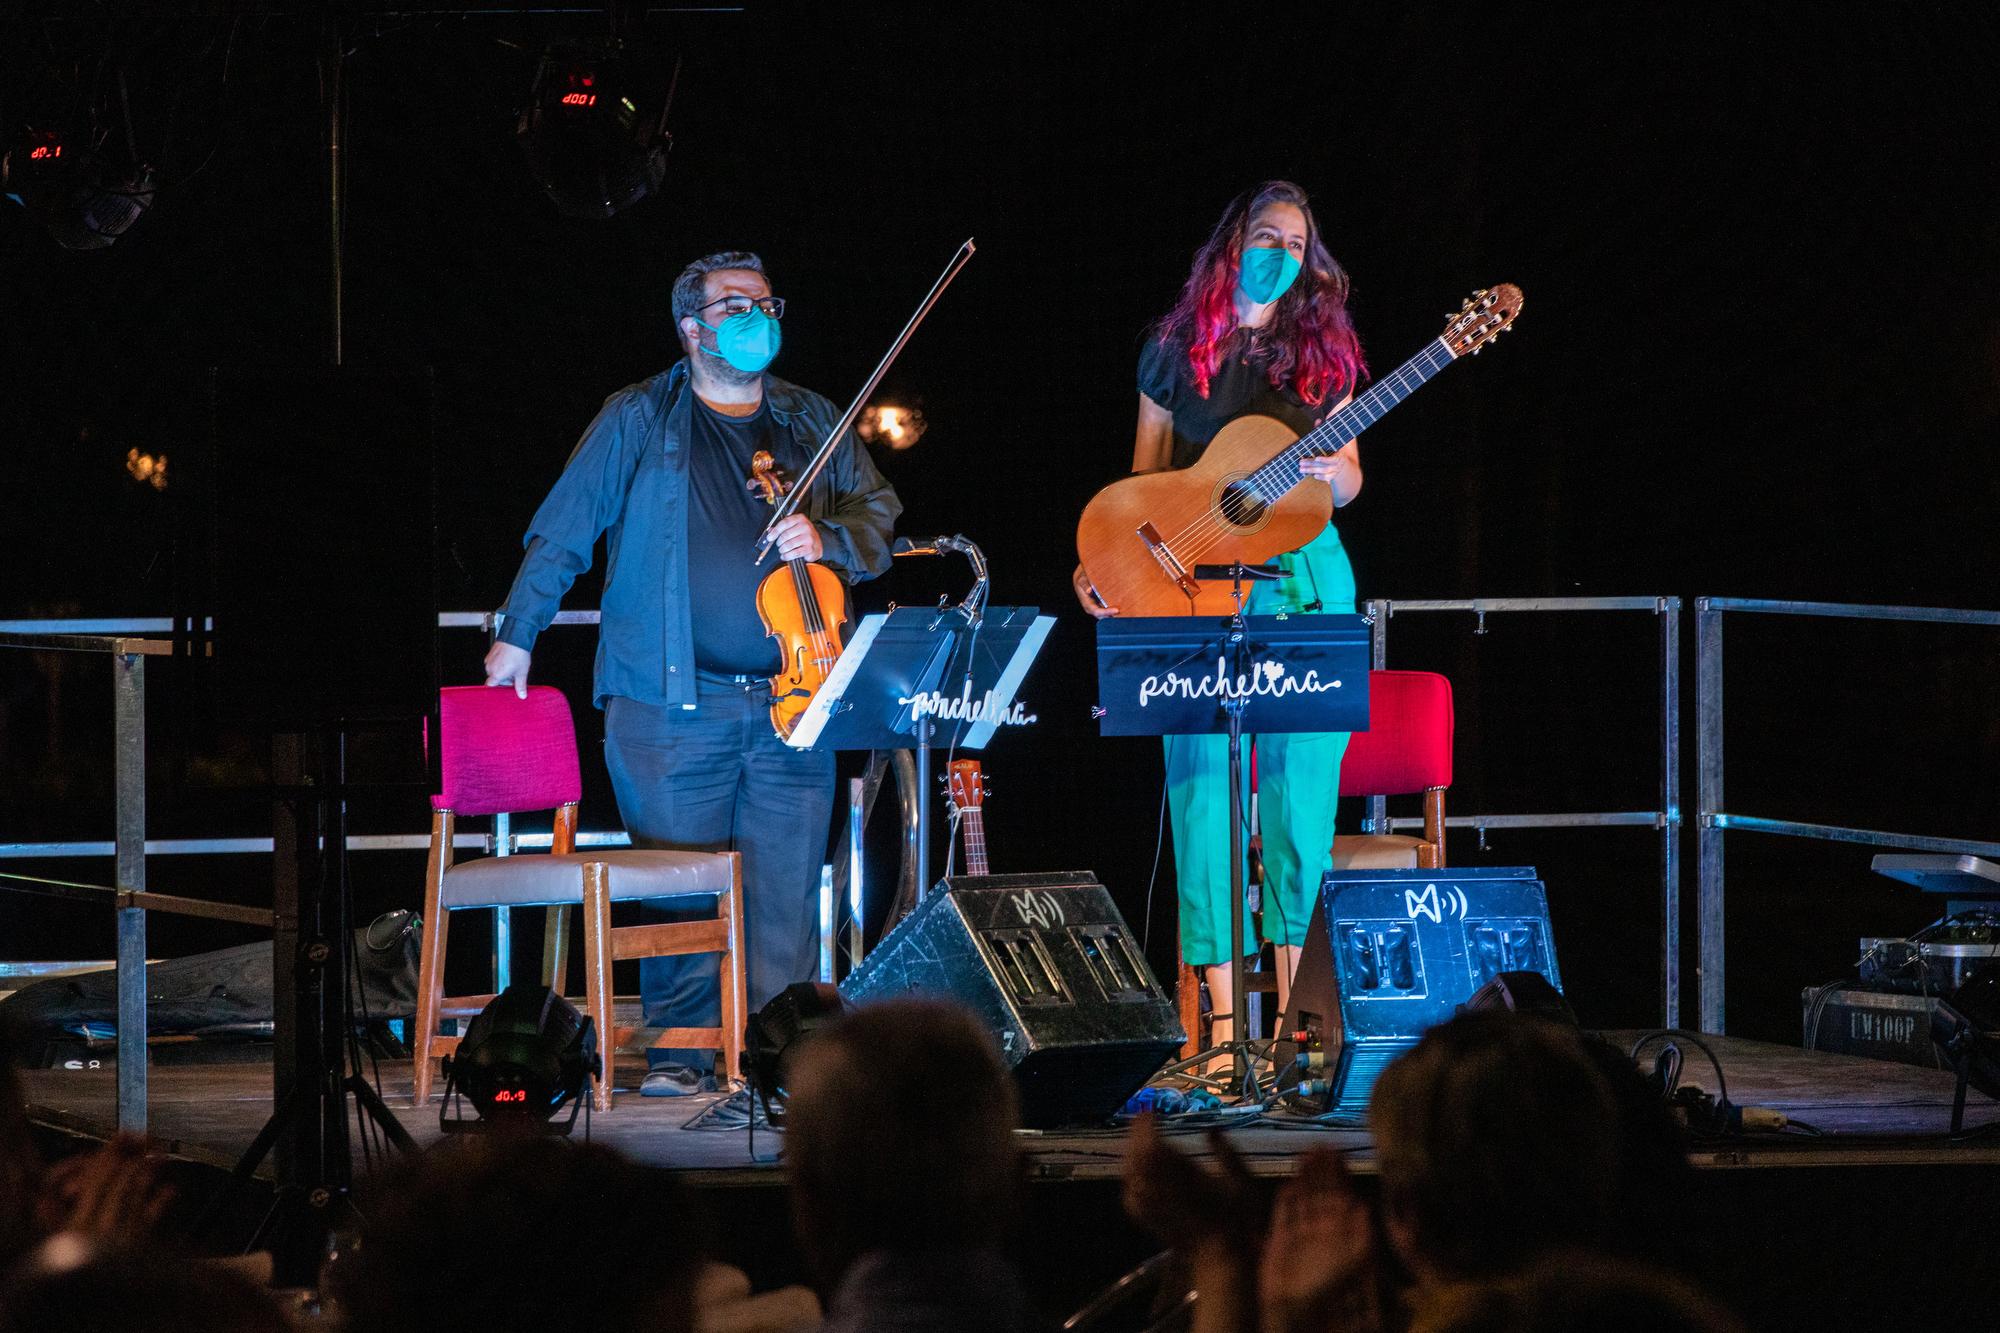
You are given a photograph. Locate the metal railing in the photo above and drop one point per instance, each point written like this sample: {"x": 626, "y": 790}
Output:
{"x": 501, "y": 840}
{"x": 130, "y": 847}
{"x": 1666, "y": 819}
{"x": 129, "y": 897}
{"x": 1713, "y": 821}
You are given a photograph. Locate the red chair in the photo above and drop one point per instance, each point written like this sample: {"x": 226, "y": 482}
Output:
{"x": 1406, "y": 750}
{"x": 501, "y": 754}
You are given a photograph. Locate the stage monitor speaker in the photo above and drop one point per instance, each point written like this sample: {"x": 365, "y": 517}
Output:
{"x": 1391, "y": 954}
{"x": 1048, "y": 964}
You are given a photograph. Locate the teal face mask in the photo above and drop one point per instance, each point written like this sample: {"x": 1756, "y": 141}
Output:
{"x": 747, "y": 340}
{"x": 1266, "y": 272}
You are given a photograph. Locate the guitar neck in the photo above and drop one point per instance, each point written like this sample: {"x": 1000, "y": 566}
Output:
{"x": 974, "y": 823}
{"x": 1282, "y": 473}
{"x": 1373, "y": 405}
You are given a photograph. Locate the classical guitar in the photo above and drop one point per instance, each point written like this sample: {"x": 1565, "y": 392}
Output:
{"x": 968, "y": 795}
{"x": 1142, "y": 539}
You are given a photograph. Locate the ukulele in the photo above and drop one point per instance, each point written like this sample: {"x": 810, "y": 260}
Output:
{"x": 1245, "y": 500}
{"x": 967, "y": 787}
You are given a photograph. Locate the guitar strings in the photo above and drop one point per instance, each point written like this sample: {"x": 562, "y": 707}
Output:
{"x": 1283, "y": 469}
{"x": 1277, "y": 476}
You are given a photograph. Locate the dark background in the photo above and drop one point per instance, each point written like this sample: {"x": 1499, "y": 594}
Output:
{"x": 1758, "y": 357}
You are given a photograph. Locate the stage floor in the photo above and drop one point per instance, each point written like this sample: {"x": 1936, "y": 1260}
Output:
{"x": 1868, "y": 1112}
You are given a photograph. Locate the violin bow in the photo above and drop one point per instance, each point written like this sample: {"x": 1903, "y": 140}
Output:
{"x": 793, "y": 498}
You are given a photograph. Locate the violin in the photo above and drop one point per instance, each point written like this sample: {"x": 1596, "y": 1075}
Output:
{"x": 803, "y": 606}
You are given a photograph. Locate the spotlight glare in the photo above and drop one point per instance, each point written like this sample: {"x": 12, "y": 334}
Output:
{"x": 890, "y": 424}
{"x": 147, "y": 469}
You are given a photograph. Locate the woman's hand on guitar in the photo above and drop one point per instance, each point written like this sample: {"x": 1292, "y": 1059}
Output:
{"x": 1340, "y": 469}
{"x": 1087, "y": 597}
{"x": 1325, "y": 466}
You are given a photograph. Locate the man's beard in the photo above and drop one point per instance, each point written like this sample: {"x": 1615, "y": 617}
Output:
{"x": 722, "y": 372}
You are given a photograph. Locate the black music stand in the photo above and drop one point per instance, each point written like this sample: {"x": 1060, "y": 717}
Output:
{"x": 909, "y": 674}
{"x": 1270, "y": 674}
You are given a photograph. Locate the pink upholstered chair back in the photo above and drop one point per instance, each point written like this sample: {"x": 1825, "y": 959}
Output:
{"x": 1407, "y": 747}
{"x": 500, "y": 753}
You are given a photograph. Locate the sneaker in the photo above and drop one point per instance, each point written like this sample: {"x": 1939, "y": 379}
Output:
{"x": 675, "y": 1081}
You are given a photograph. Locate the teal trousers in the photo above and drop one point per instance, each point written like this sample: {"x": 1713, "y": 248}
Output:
{"x": 1298, "y": 776}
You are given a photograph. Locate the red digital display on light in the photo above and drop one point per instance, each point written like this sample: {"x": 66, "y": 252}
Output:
{"x": 46, "y": 152}
{"x": 579, "y": 99}
{"x": 517, "y": 1095}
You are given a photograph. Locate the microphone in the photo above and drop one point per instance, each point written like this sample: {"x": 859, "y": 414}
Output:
{"x": 975, "y": 600}
{"x": 929, "y": 545}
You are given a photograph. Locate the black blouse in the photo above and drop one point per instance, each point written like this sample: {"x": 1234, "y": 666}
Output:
{"x": 1240, "y": 387}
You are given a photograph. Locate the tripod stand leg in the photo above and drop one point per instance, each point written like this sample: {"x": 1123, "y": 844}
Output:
{"x": 253, "y": 1156}
{"x": 369, "y": 1103}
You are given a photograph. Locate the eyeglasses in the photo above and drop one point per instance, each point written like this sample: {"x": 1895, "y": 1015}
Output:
{"x": 774, "y": 306}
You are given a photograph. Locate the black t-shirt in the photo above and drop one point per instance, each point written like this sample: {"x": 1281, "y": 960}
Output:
{"x": 1240, "y": 387}
{"x": 724, "y": 519}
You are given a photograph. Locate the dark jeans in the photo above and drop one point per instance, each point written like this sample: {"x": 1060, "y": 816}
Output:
{"x": 716, "y": 778}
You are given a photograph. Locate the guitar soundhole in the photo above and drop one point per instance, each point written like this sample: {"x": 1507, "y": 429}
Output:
{"x": 1241, "y": 505}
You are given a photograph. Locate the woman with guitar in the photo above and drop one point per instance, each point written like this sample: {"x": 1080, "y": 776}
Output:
{"x": 1261, "y": 329}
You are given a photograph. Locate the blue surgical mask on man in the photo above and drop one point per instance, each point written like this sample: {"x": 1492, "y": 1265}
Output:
{"x": 747, "y": 340}
{"x": 1266, "y": 272}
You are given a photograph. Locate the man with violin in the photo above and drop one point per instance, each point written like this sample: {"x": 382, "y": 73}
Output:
{"x": 676, "y": 473}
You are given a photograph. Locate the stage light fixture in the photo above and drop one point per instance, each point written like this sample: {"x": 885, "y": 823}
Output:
{"x": 523, "y": 1057}
{"x": 890, "y": 425}
{"x": 84, "y": 195}
{"x": 777, "y": 1033}
{"x": 595, "y": 127}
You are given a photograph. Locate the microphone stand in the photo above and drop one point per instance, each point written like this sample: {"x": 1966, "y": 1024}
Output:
{"x": 974, "y": 603}
{"x": 1241, "y": 1048}
{"x": 971, "y": 608}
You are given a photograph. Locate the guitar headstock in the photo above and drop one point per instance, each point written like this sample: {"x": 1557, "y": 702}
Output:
{"x": 965, "y": 784}
{"x": 1486, "y": 315}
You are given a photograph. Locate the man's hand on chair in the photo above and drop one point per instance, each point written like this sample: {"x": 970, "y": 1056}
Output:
{"x": 506, "y": 664}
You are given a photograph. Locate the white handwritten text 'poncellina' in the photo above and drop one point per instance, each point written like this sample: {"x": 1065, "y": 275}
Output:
{"x": 962, "y": 707}
{"x": 1267, "y": 678}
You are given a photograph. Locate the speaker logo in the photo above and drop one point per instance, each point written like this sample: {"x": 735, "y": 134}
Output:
{"x": 1428, "y": 903}
{"x": 1038, "y": 909}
